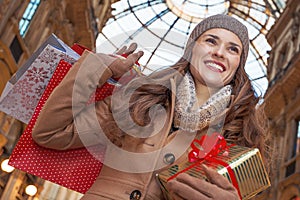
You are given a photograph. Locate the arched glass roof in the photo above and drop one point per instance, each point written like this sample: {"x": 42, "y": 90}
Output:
{"x": 161, "y": 28}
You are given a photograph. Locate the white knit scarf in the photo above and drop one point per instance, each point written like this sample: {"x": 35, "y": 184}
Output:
{"x": 188, "y": 118}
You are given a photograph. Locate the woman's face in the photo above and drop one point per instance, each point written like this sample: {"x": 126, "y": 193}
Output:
{"x": 215, "y": 57}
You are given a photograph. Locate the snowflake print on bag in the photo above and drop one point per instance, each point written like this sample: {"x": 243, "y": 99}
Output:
{"x": 19, "y": 113}
{"x": 39, "y": 90}
{"x": 29, "y": 102}
{"x": 49, "y": 56}
{"x": 10, "y": 103}
{"x": 21, "y": 101}
{"x": 37, "y": 75}
{"x": 24, "y": 87}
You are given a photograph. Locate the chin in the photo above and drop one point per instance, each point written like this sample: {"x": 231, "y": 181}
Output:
{"x": 213, "y": 83}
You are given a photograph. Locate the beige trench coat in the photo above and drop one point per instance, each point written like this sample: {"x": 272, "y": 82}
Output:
{"x": 63, "y": 126}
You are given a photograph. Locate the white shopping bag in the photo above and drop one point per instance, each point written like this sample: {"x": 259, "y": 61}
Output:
{"x": 23, "y": 91}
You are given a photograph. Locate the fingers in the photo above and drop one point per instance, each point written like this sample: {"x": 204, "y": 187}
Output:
{"x": 192, "y": 188}
{"x": 198, "y": 184}
{"x": 133, "y": 57}
{"x": 124, "y": 50}
{"x": 176, "y": 197}
{"x": 215, "y": 178}
{"x": 182, "y": 190}
{"x": 121, "y": 66}
{"x": 132, "y": 47}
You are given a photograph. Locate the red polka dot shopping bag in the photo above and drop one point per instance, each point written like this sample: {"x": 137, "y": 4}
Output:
{"x": 75, "y": 169}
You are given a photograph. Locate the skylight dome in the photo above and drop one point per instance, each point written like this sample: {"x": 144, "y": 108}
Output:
{"x": 161, "y": 28}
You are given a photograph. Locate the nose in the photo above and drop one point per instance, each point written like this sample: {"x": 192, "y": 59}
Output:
{"x": 219, "y": 51}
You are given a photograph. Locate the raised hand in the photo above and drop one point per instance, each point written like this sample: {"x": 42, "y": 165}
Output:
{"x": 121, "y": 65}
{"x": 191, "y": 188}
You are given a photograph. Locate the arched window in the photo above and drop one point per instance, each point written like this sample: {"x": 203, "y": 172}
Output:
{"x": 282, "y": 56}
{"x": 27, "y": 16}
{"x": 295, "y": 151}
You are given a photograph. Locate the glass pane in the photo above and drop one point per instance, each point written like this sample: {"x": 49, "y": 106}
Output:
{"x": 177, "y": 39}
{"x": 103, "y": 45}
{"x": 182, "y": 26}
{"x": 163, "y": 23}
{"x": 298, "y": 139}
{"x": 140, "y": 14}
{"x": 113, "y": 29}
{"x": 260, "y": 86}
{"x": 290, "y": 169}
{"x": 27, "y": 16}
{"x": 258, "y": 16}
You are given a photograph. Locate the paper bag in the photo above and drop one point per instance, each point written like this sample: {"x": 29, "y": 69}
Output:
{"x": 23, "y": 91}
{"x": 75, "y": 169}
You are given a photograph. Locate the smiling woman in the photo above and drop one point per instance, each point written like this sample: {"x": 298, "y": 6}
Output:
{"x": 216, "y": 57}
{"x": 149, "y": 123}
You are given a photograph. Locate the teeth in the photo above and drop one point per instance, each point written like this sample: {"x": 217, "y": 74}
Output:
{"x": 214, "y": 65}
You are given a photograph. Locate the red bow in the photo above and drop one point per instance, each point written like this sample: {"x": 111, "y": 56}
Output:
{"x": 208, "y": 146}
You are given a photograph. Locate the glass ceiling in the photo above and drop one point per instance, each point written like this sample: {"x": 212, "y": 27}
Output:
{"x": 161, "y": 28}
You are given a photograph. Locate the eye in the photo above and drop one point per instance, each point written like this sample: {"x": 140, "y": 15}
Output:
{"x": 234, "y": 49}
{"x": 211, "y": 41}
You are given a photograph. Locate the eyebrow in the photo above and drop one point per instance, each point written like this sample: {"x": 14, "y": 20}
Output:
{"x": 217, "y": 38}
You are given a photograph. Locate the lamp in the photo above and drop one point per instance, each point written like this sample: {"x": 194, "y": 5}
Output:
{"x": 6, "y": 167}
{"x": 31, "y": 190}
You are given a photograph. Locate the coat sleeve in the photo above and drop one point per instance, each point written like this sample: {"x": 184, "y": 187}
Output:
{"x": 66, "y": 121}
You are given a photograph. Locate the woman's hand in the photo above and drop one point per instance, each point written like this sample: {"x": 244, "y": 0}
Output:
{"x": 191, "y": 188}
{"x": 122, "y": 65}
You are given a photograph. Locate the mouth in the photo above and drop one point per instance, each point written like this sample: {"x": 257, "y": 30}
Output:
{"x": 215, "y": 66}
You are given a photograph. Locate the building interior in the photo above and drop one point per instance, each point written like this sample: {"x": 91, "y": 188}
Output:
{"x": 160, "y": 28}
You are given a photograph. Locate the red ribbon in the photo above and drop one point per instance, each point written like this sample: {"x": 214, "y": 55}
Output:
{"x": 206, "y": 149}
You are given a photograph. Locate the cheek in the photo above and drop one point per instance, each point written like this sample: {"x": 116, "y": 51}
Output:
{"x": 235, "y": 62}
{"x": 234, "y": 65}
{"x": 196, "y": 58}
{"x": 199, "y": 51}
{"x": 227, "y": 79}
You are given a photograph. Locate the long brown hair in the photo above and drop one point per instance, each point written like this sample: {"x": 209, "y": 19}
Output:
{"x": 245, "y": 123}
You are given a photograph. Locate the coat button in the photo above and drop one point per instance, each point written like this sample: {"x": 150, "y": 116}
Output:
{"x": 169, "y": 158}
{"x": 135, "y": 195}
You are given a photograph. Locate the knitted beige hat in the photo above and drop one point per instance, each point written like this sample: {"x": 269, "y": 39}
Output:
{"x": 220, "y": 21}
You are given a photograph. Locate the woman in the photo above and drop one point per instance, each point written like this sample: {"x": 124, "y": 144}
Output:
{"x": 206, "y": 90}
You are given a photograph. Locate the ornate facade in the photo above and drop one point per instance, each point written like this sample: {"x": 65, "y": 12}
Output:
{"x": 78, "y": 21}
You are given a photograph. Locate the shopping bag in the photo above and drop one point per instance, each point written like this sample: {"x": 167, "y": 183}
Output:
{"x": 23, "y": 91}
{"x": 74, "y": 169}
